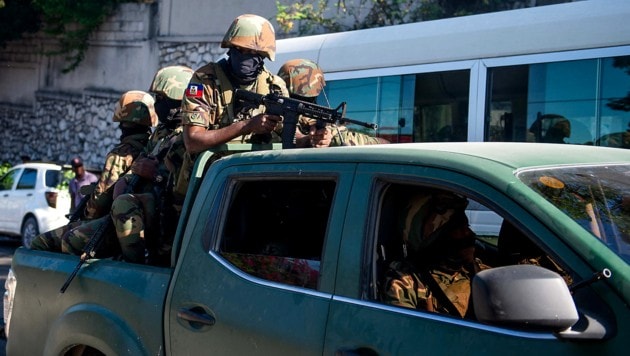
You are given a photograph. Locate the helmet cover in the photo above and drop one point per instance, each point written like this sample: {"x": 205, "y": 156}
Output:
{"x": 252, "y": 32}
{"x": 136, "y": 107}
{"x": 171, "y": 81}
{"x": 303, "y": 77}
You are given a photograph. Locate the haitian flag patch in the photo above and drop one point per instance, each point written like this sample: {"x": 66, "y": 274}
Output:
{"x": 194, "y": 91}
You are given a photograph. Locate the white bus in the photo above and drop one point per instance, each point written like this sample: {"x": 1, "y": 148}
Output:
{"x": 557, "y": 73}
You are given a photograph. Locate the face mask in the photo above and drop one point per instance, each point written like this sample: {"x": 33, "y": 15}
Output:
{"x": 245, "y": 66}
{"x": 166, "y": 109}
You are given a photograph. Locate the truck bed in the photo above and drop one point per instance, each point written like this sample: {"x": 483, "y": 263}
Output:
{"x": 85, "y": 311}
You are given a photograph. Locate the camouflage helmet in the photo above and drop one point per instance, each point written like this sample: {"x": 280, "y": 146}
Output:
{"x": 253, "y": 32}
{"x": 171, "y": 81}
{"x": 136, "y": 107}
{"x": 303, "y": 77}
{"x": 428, "y": 214}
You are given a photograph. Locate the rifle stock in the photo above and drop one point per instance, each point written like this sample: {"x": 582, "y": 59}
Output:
{"x": 291, "y": 109}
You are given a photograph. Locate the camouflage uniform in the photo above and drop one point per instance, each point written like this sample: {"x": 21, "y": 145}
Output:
{"x": 305, "y": 81}
{"x": 118, "y": 161}
{"x": 208, "y": 100}
{"x": 144, "y": 220}
{"x": 135, "y": 112}
{"x": 435, "y": 233}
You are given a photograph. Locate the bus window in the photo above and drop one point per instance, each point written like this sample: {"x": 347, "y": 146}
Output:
{"x": 387, "y": 101}
{"x": 577, "y": 102}
{"x": 426, "y": 107}
{"x": 441, "y": 103}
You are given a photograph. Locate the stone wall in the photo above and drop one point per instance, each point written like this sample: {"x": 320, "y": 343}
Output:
{"x": 59, "y": 127}
{"x": 192, "y": 54}
{"x": 57, "y": 124}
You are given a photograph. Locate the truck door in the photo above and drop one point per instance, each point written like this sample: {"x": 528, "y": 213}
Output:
{"x": 257, "y": 263}
{"x": 381, "y": 297}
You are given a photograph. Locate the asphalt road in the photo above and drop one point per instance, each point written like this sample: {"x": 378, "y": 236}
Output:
{"x": 7, "y": 247}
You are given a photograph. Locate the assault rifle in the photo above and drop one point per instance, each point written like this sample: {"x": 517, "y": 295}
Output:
{"x": 79, "y": 212}
{"x": 89, "y": 250}
{"x": 291, "y": 109}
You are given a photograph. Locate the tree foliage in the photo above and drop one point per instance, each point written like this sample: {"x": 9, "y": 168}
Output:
{"x": 71, "y": 22}
{"x": 306, "y": 17}
{"x": 16, "y": 19}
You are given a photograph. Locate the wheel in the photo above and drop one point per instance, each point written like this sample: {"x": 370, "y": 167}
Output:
{"x": 29, "y": 231}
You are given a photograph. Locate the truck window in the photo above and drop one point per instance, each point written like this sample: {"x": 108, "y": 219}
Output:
{"x": 432, "y": 241}
{"x": 275, "y": 229}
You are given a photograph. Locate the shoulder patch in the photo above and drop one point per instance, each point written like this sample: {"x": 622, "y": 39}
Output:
{"x": 194, "y": 90}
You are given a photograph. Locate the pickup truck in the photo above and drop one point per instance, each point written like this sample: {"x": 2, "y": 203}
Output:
{"x": 285, "y": 251}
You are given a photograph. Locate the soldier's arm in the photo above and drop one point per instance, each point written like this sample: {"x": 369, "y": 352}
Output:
{"x": 404, "y": 289}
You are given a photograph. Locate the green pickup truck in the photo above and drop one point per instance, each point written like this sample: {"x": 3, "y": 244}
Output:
{"x": 289, "y": 252}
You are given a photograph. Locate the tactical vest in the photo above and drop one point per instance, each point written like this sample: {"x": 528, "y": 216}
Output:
{"x": 225, "y": 111}
{"x": 225, "y": 116}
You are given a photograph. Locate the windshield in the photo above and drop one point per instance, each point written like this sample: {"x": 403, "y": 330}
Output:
{"x": 596, "y": 197}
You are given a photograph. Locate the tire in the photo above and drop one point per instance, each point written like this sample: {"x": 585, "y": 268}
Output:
{"x": 30, "y": 230}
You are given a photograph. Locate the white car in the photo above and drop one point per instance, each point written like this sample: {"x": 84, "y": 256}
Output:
{"x": 31, "y": 200}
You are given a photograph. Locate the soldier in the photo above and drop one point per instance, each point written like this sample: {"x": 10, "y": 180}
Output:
{"x": 210, "y": 117}
{"x": 145, "y": 221}
{"x": 437, "y": 272}
{"x": 305, "y": 81}
{"x": 136, "y": 114}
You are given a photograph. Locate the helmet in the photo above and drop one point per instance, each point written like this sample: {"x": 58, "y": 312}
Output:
{"x": 253, "y": 32}
{"x": 136, "y": 107}
{"x": 429, "y": 215}
{"x": 303, "y": 77}
{"x": 171, "y": 82}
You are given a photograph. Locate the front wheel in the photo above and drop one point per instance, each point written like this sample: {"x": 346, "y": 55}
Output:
{"x": 30, "y": 230}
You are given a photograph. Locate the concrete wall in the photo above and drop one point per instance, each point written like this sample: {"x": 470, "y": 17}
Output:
{"x": 207, "y": 20}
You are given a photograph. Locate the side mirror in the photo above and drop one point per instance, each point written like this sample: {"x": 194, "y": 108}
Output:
{"x": 524, "y": 296}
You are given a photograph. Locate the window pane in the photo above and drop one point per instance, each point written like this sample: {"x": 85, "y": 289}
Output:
{"x": 614, "y": 130}
{"x": 577, "y": 102}
{"x": 8, "y": 179}
{"x": 441, "y": 103}
{"x": 361, "y": 96}
{"x": 275, "y": 230}
{"x": 596, "y": 197}
{"x": 28, "y": 178}
{"x": 418, "y": 107}
{"x": 53, "y": 178}
{"x": 432, "y": 241}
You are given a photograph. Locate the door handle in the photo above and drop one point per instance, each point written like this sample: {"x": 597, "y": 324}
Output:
{"x": 195, "y": 316}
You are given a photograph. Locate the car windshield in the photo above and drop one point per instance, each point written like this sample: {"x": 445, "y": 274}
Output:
{"x": 597, "y": 197}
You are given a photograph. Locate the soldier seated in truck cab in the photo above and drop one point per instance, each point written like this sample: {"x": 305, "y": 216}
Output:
{"x": 438, "y": 256}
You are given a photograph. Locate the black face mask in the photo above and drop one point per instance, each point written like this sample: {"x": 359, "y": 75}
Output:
{"x": 245, "y": 66}
{"x": 166, "y": 109}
